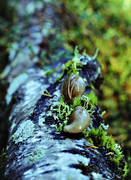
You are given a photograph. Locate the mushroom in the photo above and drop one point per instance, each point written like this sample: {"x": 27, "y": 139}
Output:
{"x": 78, "y": 120}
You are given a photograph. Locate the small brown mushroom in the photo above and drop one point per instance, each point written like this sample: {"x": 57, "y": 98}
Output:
{"x": 73, "y": 86}
{"x": 79, "y": 120}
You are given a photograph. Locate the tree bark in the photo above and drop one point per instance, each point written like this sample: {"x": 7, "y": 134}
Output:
{"x": 35, "y": 149}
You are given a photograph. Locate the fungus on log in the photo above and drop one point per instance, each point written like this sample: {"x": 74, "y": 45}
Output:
{"x": 38, "y": 148}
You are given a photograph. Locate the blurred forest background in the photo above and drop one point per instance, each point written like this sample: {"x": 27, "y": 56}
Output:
{"x": 94, "y": 24}
{"x": 106, "y": 25}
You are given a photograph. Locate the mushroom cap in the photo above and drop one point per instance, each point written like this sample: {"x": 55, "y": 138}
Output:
{"x": 78, "y": 121}
{"x": 73, "y": 86}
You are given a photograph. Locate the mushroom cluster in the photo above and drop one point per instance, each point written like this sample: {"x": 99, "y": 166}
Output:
{"x": 74, "y": 86}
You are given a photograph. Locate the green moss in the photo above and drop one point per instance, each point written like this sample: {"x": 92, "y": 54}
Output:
{"x": 72, "y": 66}
{"x": 92, "y": 97}
{"x": 61, "y": 112}
{"x": 49, "y": 72}
{"x": 76, "y": 102}
{"x": 88, "y": 101}
{"x": 126, "y": 169}
{"x": 100, "y": 138}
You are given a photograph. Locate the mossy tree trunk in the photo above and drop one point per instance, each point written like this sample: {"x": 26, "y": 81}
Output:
{"x": 36, "y": 150}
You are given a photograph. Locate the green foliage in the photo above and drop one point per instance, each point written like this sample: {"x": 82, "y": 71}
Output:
{"x": 92, "y": 97}
{"x": 73, "y": 66}
{"x": 76, "y": 102}
{"x": 61, "y": 112}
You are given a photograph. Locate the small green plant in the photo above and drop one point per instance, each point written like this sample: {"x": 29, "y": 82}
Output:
{"x": 61, "y": 112}
{"x": 73, "y": 66}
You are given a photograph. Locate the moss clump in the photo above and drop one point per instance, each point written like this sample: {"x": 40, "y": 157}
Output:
{"x": 61, "y": 112}
{"x": 92, "y": 97}
{"x": 99, "y": 137}
{"x": 72, "y": 66}
{"x": 126, "y": 169}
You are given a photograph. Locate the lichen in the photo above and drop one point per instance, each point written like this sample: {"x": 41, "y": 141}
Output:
{"x": 15, "y": 85}
{"x": 97, "y": 176}
{"x": 24, "y": 131}
{"x": 36, "y": 155}
{"x": 41, "y": 119}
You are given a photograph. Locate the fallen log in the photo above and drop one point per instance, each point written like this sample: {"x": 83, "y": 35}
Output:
{"x": 38, "y": 147}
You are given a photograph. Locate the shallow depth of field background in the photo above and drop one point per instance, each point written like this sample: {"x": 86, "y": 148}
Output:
{"x": 106, "y": 25}
{"x": 103, "y": 25}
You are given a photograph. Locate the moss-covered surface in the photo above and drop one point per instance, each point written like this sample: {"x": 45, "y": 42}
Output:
{"x": 61, "y": 111}
{"x": 106, "y": 144}
{"x": 50, "y": 51}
